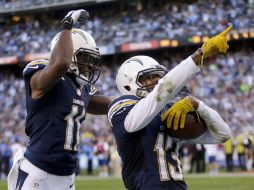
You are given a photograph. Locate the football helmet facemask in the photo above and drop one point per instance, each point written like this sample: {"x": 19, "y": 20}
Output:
{"x": 135, "y": 70}
{"x": 85, "y": 59}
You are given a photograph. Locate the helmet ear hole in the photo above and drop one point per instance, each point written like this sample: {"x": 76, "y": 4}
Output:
{"x": 127, "y": 88}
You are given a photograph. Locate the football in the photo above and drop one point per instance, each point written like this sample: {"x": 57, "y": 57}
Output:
{"x": 192, "y": 128}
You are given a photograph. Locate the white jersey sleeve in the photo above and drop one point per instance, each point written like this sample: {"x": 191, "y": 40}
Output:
{"x": 147, "y": 108}
{"x": 217, "y": 129}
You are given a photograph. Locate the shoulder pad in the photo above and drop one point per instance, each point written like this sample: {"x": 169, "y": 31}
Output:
{"x": 34, "y": 66}
{"x": 120, "y": 103}
{"x": 38, "y": 62}
{"x": 124, "y": 97}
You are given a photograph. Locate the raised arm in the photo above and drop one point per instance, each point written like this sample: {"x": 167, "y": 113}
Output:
{"x": 60, "y": 59}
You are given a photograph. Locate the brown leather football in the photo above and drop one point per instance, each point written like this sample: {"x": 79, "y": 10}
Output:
{"x": 192, "y": 128}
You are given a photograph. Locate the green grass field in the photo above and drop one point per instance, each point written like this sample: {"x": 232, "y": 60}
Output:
{"x": 195, "y": 182}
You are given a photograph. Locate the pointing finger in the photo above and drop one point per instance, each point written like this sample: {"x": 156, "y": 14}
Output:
{"x": 225, "y": 32}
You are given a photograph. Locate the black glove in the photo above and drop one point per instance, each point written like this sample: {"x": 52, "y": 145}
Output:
{"x": 72, "y": 17}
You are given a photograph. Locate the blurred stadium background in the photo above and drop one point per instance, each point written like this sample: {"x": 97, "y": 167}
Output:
{"x": 169, "y": 31}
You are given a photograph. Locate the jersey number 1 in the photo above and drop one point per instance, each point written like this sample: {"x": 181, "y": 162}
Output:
{"x": 166, "y": 169}
{"x": 72, "y": 129}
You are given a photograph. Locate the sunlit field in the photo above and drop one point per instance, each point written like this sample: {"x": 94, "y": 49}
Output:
{"x": 196, "y": 182}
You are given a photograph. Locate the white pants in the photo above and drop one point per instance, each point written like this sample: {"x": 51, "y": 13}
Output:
{"x": 30, "y": 177}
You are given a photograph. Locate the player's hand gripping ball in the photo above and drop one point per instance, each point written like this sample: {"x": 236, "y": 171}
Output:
{"x": 182, "y": 121}
{"x": 176, "y": 114}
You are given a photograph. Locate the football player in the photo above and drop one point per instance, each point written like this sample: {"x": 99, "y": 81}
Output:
{"x": 59, "y": 92}
{"x": 149, "y": 154}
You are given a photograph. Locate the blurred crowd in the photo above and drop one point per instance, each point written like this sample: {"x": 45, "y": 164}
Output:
{"x": 17, "y": 4}
{"x": 112, "y": 26}
{"x": 225, "y": 84}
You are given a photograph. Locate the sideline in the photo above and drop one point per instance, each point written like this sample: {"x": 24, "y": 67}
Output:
{"x": 202, "y": 175}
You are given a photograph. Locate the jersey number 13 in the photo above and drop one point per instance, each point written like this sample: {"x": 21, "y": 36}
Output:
{"x": 167, "y": 170}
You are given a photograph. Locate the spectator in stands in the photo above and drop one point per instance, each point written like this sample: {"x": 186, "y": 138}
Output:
{"x": 193, "y": 158}
{"x": 241, "y": 152}
{"x": 229, "y": 150}
{"x": 0, "y": 158}
{"x": 89, "y": 152}
{"x": 87, "y": 147}
{"x": 197, "y": 155}
{"x": 101, "y": 149}
{"x": 248, "y": 145}
{"x": 211, "y": 152}
{"x": 6, "y": 155}
{"x": 115, "y": 160}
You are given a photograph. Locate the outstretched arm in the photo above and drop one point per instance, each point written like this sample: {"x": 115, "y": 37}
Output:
{"x": 60, "y": 59}
{"x": 147, "y": 108}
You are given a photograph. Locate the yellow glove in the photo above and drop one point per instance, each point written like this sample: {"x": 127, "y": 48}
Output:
{"x": 178, "y": 112}
{"x": 216, "y": 44}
